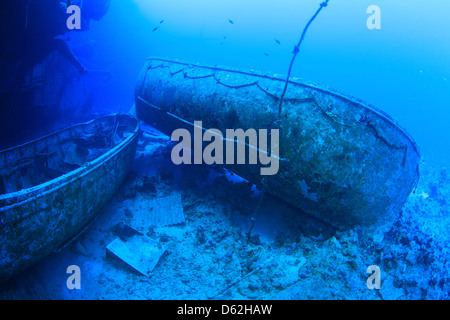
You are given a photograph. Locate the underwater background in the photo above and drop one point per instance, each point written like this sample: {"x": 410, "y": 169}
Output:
{"x": 402, "y": 68}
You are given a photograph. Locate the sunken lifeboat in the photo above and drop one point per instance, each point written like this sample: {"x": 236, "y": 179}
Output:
{"x": 341, "y": 160}
{"x": 51, "y": 188}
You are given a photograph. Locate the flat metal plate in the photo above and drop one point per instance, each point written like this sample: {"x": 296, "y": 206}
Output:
{"x": 161, "y": 212}
{"x": 138, "y": 251}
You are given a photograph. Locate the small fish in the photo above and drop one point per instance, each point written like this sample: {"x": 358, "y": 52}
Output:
{"x": 155, "y": 29}
{"x": 230, "y": 21}
{"x": 266, "y": 54}
{"x": 161, "y": 21}
{"x": 278, "y": 42}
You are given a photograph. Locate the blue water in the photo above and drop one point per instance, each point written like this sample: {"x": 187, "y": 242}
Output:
{"x": 403, "y": 68}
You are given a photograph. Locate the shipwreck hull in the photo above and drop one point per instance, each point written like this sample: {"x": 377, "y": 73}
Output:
{"x": 89, "y": 160}
{"x": 341, "y": 160}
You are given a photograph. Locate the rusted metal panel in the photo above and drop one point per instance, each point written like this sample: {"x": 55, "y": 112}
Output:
{"x": 159, "y": 212}
{"x": 342, "y": 160}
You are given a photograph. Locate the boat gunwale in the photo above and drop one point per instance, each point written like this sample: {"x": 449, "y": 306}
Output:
{"x": 53, "y": 185}
{"x": 304, "y": 83}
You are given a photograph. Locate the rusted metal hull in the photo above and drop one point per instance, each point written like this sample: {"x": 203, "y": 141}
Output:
{"x": 37, "y": 220}
{"x": 343, "y": 161}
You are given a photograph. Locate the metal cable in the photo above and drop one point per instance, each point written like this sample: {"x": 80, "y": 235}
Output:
{"x": 295, "y": 52}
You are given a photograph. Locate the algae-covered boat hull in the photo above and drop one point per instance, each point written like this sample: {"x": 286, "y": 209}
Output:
{"x": 39, "y": 219}
{"x": 342, "y": 160}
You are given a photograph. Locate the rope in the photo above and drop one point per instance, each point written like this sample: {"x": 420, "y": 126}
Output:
{"x": 296, "y": 50}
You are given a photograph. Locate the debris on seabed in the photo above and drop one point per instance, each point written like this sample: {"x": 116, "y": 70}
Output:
{"x": 138, "y": 251}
